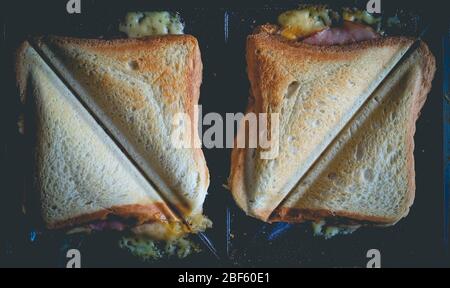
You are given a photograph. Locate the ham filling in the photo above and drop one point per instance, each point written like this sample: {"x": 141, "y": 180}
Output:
{"x": 107, "y": 225}
{"x": 349, "y": 32}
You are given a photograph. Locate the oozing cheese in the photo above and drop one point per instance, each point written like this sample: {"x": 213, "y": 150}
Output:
{"x": 304, "y": 22}
{"x": 156, "y": 240}
{"x": 147, "y": 249}
{"x": 169, "y": 231}
{"x": 321, "y": 229}
{"x": 361, "y": 16}
{"x": 160, "y": 231}
{"x": 301, "y": 23}
{"x": 140, "y": 24}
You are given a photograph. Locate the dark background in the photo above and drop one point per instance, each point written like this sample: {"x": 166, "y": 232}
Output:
{"x": 416, "y": 241}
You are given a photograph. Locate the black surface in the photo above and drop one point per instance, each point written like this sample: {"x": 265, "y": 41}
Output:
{"x": 415, "y": 241}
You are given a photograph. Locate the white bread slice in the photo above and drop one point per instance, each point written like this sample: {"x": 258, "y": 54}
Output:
{"x": 367, "y": 174}
{"x": 316, "y": 90}
{"x": 135, "y": 87}
{"x": 81, "y": 175}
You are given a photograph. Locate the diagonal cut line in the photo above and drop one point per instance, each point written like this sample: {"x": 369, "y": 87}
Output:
{"x": 201, "y": 235}
{"x": 97, "y": 120}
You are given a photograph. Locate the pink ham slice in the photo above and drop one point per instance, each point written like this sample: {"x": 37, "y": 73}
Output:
{"x": 107, "y": 225}
{"x": 349, "y": 32}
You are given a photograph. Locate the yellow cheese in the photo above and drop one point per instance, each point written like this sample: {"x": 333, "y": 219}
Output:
{"x": 198, "y": 223}
{"x": 163, "y": 231}
{"x": 360, "y": 16}
{"x": 317, "y": 227}
{"x": 304, "y": 22}
{"x": 300, "y": 23}
{"x": 167, "y": 231}
{"x": 321, "y": 229}
{"x": 140, "y": 24}
{"x": 141, "y": 248}
{"x": 147, "y": 249}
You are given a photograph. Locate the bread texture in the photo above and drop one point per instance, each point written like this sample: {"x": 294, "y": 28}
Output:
{"x": 367, "y": 173}
{"x": 316, "y": 91}
{"x": 80, "y": 174}
{"x": 136, "y": 87}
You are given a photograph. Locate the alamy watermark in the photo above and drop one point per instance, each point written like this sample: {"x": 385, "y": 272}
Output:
{"x": 255, "y": 131}
{"x": 374, "y": 6}
{"x": 74, "y": 257}
{"x": 374, "y": 256}
{"x": 73, "y": 6}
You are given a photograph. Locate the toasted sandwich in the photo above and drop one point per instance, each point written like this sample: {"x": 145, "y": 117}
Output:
{"x": 104, "y": 114}
{"x": 136, "y": 87}
{"x": 321, "y": 79}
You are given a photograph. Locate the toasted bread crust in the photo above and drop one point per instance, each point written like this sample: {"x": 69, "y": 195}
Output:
{"x": 21, "y": 70}
{"x": 140, "y": 214}
{"x": 428, "y": 63}
{"x": 293, "y": 215}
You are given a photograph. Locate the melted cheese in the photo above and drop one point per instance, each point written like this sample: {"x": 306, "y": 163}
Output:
{"x": 360, "y": 16}
{"x": 321, "y": 229}
{"x": 198, "y": 223}
{"x": 317, "y": 227}
{"x": 159, "y": 239}
{"x": 140, "y": 24}
{"x": 168, "y": 231}
{"x": 141, "y": 248}
{"x": 304, "y": 22}
{"x": 160, "y": 231}
{"x": 147, "y": 249}
{"x": 301, "y": 23}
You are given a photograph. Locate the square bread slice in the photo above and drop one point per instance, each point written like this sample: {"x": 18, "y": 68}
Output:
{"x": 316, "y": 90}
{"x": 136, "y": 88}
